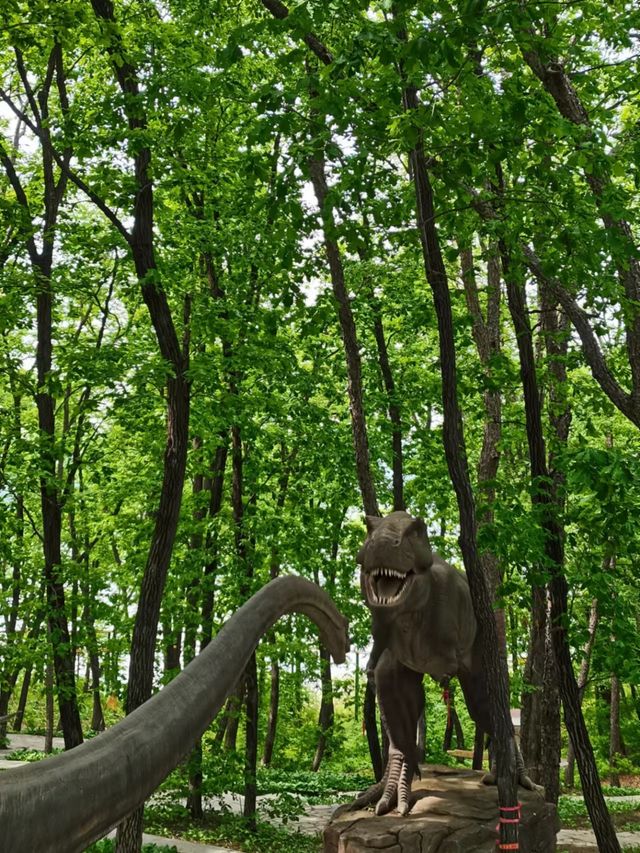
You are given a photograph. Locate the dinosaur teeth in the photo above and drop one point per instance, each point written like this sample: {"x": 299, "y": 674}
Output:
{"x": 388, "y": 573}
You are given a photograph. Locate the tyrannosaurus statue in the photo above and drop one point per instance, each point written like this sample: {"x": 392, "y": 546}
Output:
{"x": 422, "y": 622}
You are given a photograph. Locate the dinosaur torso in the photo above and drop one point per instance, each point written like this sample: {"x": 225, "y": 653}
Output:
{"x": 433, "y": 629}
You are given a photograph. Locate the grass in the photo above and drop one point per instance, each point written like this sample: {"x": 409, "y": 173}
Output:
{"x": 108, "y": 845}
{"x": 31, "y": 755}
{"x": 228, "y": 830}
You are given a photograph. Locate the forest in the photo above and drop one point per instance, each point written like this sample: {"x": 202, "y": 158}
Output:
{"x": 267, "y": 268}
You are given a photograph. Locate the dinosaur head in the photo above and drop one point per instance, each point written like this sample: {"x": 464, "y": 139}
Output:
{"x": 394, "y": 553}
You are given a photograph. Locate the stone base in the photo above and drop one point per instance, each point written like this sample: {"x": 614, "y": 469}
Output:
{"x": 451, "y": 812}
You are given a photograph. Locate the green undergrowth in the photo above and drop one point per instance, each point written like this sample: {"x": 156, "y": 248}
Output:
{"x": 108, "y": 845}
{"x": 310, "y": 784}
{"x": 228, "y": 830}
{"x": 573, "y": 814}
{"x": 31, "y": 755}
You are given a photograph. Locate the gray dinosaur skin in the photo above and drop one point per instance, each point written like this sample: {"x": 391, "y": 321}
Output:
{"x": 422, "y": 622}
{"x": 68, "y": 801}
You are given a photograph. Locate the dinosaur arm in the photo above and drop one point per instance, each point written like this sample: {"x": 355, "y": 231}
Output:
{"x": 69, "y": 801}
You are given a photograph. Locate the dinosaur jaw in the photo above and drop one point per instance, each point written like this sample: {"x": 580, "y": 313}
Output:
{"x": 387, "y": 587}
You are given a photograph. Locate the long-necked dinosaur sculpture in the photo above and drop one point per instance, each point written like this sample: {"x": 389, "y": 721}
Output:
{"x": 73, "y": 799}
{"x": 422, "y": 622}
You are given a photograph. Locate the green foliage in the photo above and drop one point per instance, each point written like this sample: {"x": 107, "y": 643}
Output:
{"x": 228, "y": 829}
{"x": 229, "y": 111}
{"x": 108, "y": 845}
{"x": 30, "y": 755}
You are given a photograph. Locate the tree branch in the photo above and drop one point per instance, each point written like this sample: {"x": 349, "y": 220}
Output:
{"x": 280, "y": 11}
{"x": 66, "y": 169}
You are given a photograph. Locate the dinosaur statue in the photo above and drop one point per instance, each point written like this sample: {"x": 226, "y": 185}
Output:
{"x": 68, "y": 801}
{"x": 422, "y": 622}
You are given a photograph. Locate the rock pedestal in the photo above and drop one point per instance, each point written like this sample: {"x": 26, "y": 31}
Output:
{"x": 451, "y": 812}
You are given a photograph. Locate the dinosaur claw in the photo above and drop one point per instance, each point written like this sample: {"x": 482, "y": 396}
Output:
{"x": 382, "y": 807}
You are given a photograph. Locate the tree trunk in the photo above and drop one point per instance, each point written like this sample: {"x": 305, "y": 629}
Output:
{"x": 172, "y": 639}
{"x": 326, "y": 714}
{"x": 63, "y": 661}
{"x": 97, "y": 715}
{"x": 583, "y": 677}
{"x": 393, "y": 403}
{"x": 194, "y": 801}
{"x": 22, "y": 701}
{"x": 141, "y": 243}
{"x": 49, "y": 702}
{"x": 50, "y": 498}
{"x": 316, "y": 166}
{"x": 251, "y": 745}
{"x": 233, "y": 712}
{"x": 494, "y": 662}
{"x": 349, "y": 338}
{"x": 193, "y": 597}
{"x": 533, "y": 678}
{"x": 486, "y": 333}
{"x": 274, "y": 704}
{"x": 615, "y": 740}
{"x": 286, "y": 460}
{"x": 558, "y": 589}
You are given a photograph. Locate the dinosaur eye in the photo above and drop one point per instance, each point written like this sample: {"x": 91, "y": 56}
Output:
{"x": 396, "y": 541}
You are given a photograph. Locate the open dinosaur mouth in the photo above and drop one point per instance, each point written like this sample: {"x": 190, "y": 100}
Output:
{"x": 387, "y": 586}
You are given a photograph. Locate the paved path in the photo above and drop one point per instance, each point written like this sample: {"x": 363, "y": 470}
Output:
{"x": 180, "y": 844}
{"x": 584, "y": 839}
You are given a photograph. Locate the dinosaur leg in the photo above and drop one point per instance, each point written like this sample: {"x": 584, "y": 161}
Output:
{"x": 401, "y": 701}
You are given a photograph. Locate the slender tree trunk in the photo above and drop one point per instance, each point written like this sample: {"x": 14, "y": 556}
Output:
{"x": 615, "y": 739}
{"x": 207, "y": 592}
{"x": 193, "y": 596}
{"x": 176, "y": 353}
{"x": 558, "y": 588}
{"x": 513, "y": 639}
{"x": 50, "y": 498}
{"x": 49, "y": 701}
{"x": 486, "y": 333}
{"x": 393, "y": 403}
{"x": 327, "y": 713}
{"x": 22, "y": 701}
{"x": 316, "y": 166}
{"x": 251, "y": 745}
{"x": 349, "y": 338}
{"x": 172, "y": 639}
{"x": 583, "y": 677}
{"x": 63, "y": 661}
{"x": 9, "y": 671}
{"x": 274, "y": 704}
{"x": 274, "y": 570}
{"x": 455, "y": 450}
{"x": 533, "y": 680}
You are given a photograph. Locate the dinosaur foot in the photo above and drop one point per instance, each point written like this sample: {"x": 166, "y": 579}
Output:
{"x": 366, "y": 798}
{"x": 491, "y": 778}
{"x": 397, "y": 785}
